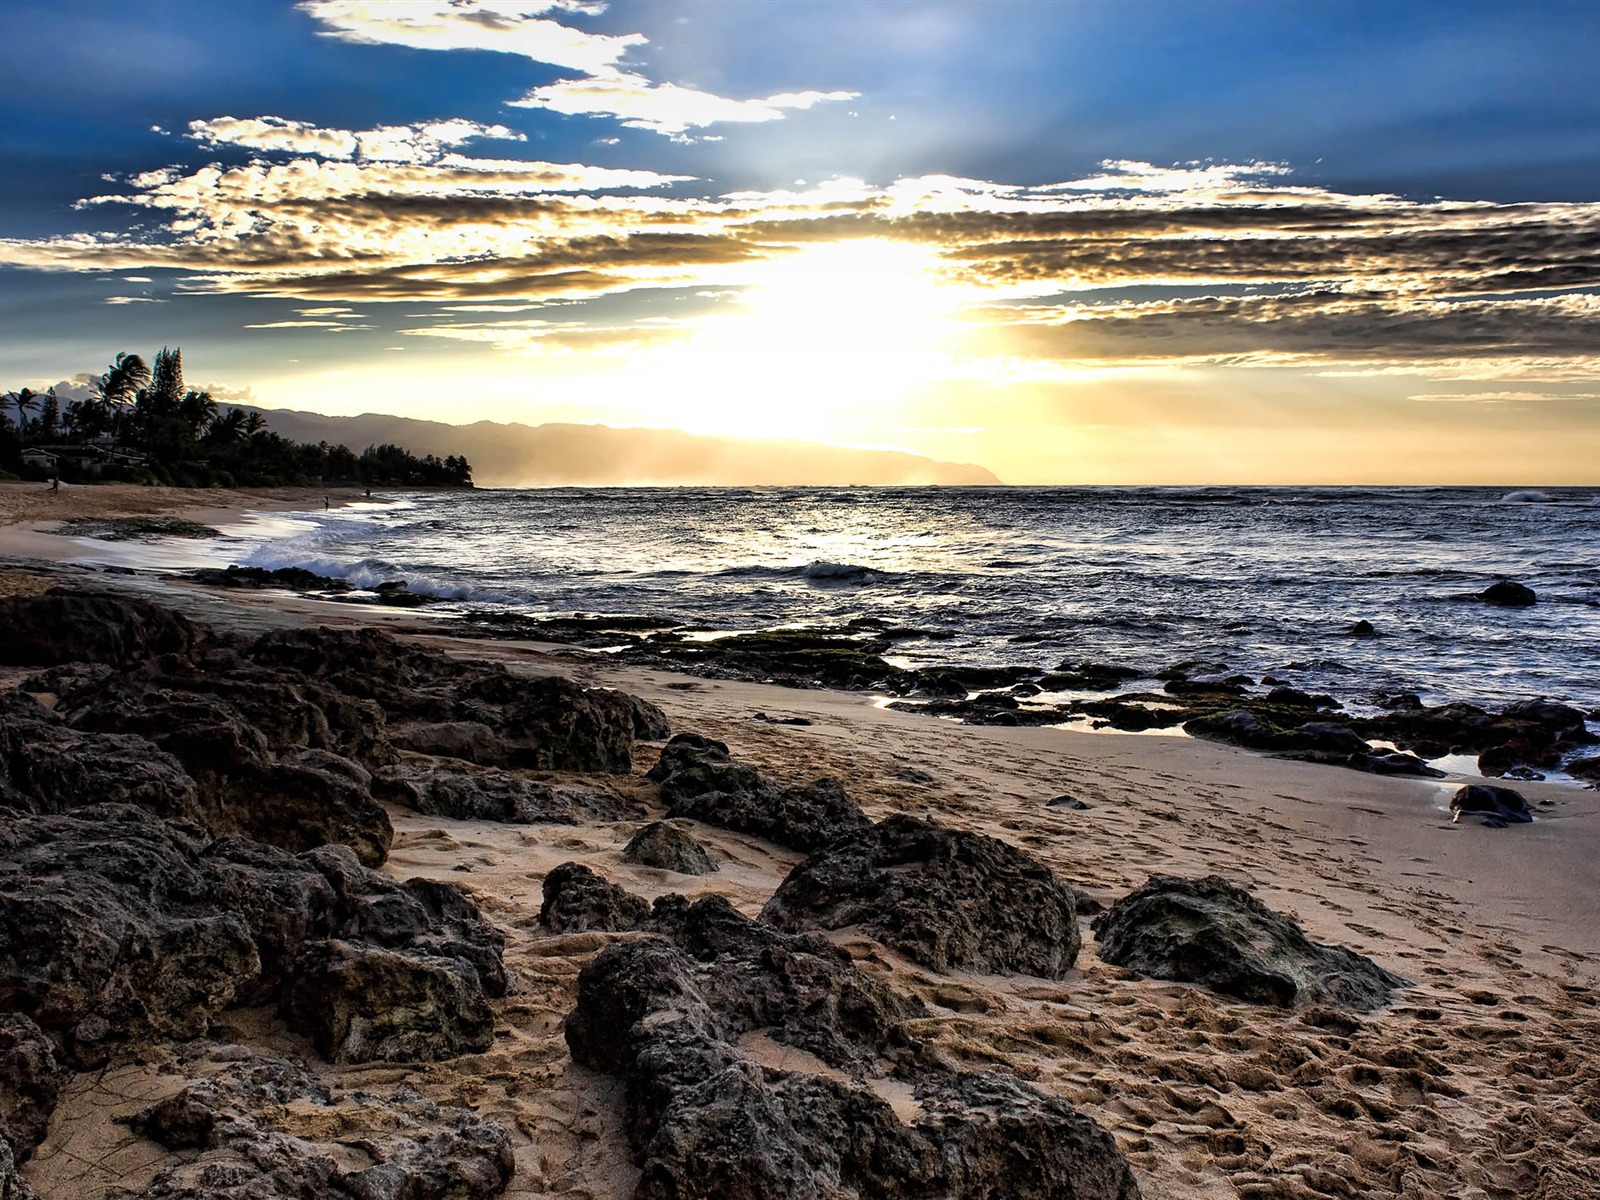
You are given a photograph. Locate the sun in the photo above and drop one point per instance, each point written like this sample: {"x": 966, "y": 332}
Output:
{"x": 827, "y": 343}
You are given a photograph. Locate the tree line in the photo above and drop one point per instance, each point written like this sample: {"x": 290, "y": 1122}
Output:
{"x": 142, "y": 424}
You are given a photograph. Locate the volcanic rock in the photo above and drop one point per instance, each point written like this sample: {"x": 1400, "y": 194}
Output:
{"x": 64, "y": 626}
{"x": 1507, "y": 593}
{"x": 46, "y": 766}
{"x": 949, "y": 899}
{"x": 1496, "y": 805}
{"x": 666, "y": 847}
{"x": 267, "y": 1129}
{"x": 445, "y": 787}
{"x": 362, "y": 1003}
{"x": 700, "y": 780}
{"x": 576, "y": 900}
{"x": 108, "y": 934}
{"x": 545, "y": 723}
{"x": 704, "y": 1121}
{"x": 30, "y": 1080}
{"x": 1211, "y": 932}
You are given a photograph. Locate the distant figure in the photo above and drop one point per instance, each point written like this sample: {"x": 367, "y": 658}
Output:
{"x": 55, "y": 483}
{"x": 325, "y": 504}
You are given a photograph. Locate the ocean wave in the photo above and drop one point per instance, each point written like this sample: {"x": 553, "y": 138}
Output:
{"x": 1526, "y": 496}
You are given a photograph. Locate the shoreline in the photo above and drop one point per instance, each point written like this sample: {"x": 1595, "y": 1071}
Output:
{"x": 1499, "y": 930}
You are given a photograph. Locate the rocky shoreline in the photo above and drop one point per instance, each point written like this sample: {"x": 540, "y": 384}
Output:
{"x": 195, "y": 822}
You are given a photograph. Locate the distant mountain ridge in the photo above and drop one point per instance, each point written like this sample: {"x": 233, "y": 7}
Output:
{"x": 516, "y": 455}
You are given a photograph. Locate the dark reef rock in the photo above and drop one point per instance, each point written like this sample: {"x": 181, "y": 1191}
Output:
{"x": 951, "y": 900}
{"x": 64, "y": 626}
{"x": 700, "y": 780}
{"x": 30, "y": 1081}
{"x": 290, "y": 800}
{"x": 1362, "y": 629}
{"x": 266, "y": 1129}
{"x": 1507, "y": 593}
{"x": 544, "y": 723}
{"x": 290, "y": 579}
{"x": 706, "y": 1122}
{"x": 362, "y": 1003}
{"x": 576, "y": 900}
{"x": 46, "y": 766}
{"x": 1498, "y": 806}
{"x": 444, "y": 787}
{"x": 1089, "y": 677}
{"x": 1212, "y": 932}
{"x": 118, "y": 930}
{"x": 666, "y": 847}
{"x": 108, "y": 936}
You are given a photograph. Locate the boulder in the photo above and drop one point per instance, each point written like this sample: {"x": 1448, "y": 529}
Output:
{"x": 704, "y": 1121}
{"x": 1507, "y": 593}
{"x": 360, "y": 1003}
{"x": 445, "y": 787}
{"x": 293, "y": 800}
{"x": 109, "y": 936}
{"x": 666, "y": 847}
{"x": 1498, "y": 806}
{"x": 30, "y": 1081}
{"x": 1210, "y": 931}
{"x": 265, "y": 1129}
{"x": 700, "y": 780}
{"x": 1361, "y": 629}
{"x": 118, "y": 931}
{"x": 64, "y": 626}
{"x": 951, "y": 900}
{"x": 46, "y": 766}
{"x": 545, "y": 723}
{"x": 576, "y": 900}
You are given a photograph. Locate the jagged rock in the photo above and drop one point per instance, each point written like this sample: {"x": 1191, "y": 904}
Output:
{"x": 650, "y": 724}
{"x": 1507, "y": 593}
{"x": 266, "y": 1129}
{"x": 705, "y": 1122}
{"x": 30, "y": 1080}
{"x": 1496, "y": 805}
{"x": 1069, "y": 802}
{"x": 1210, "y": 931}
{"x": 1089, "y": 677}
{"x": 292, "y": 579}
{"x": 46, "y": 766}
{"x": 700, "y": 780}
{"x": 545, "y": 723}
{"x": 1361, "y": 629}
{"x": 108, "y": 934}
{"x": 117, "y": 930}
{"x": 951, "y": 900}
{"x": 664, "y": 846}
{"x": 64, "y": 626}
{"x": 294, "y": 801}
{"x": 1584, "y": 768}
{"x": 362, "y": 1003}
{"x": 459, "y": 790}
{"x": 577, "y": 900}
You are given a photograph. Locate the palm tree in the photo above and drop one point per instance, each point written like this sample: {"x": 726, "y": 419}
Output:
{"x": 27, "y": 400}
{"x": 253, "y": 424}
{"x": 198, "y": 409}
{"x": 119, "y": 387}
{"x": 227, "y": 429}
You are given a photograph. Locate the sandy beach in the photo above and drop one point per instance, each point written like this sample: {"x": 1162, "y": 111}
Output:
{"x": 1480, "y": 1080}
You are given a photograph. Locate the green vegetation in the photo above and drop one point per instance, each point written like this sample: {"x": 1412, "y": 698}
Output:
{"x": 143, "y": 425}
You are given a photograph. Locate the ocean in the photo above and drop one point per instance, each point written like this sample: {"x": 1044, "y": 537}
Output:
{"x": 1265, "y": 580}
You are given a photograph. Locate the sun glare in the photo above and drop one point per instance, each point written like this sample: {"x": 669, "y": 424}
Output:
{"x": 827, "y": 344}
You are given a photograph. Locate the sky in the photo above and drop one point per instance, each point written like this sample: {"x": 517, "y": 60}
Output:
{"x": 1131, "y": 242}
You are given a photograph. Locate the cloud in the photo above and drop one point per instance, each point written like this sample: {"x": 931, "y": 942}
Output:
{"x": 664, "y": 108}
{"x": 131, "y": 300}
{"x": 504, "y": 26}
{"x": 424, "y": 143}
{"x": 1501, "y": 397}
{"x": 1206, "y": 263}
{"x": 605, "y": 88}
